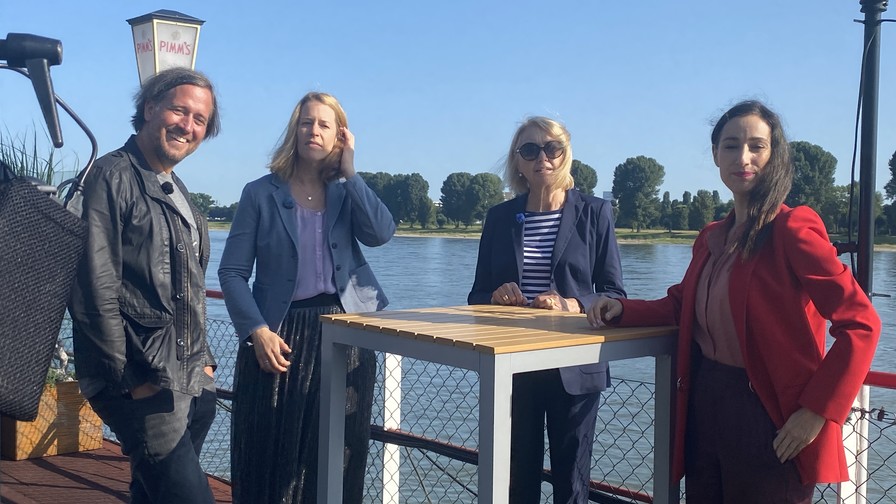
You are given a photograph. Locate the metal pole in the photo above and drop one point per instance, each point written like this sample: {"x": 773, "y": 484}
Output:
{"x": 867, "y": 162}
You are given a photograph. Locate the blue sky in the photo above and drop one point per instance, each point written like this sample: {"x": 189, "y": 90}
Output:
{"x": 439, "y": 87}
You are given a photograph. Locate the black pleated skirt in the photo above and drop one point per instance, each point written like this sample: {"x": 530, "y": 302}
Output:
{"x": 276, "y": 417}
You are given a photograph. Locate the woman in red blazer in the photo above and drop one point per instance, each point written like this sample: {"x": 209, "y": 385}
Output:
{"x": 760, "y": 404}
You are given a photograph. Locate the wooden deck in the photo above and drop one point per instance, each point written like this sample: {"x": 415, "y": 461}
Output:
{"x": 95, "y": 477}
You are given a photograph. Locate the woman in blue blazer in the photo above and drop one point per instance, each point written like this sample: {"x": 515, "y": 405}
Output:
{"x": 554, "y": 248}
{"x": 299, "y": 228}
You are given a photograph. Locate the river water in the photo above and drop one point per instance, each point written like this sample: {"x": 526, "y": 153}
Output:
{"x": 424, "y": 272}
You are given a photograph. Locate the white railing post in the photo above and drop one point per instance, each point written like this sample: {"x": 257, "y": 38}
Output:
{"x": 855, "y": 441}
{"x": 391, "y": 420}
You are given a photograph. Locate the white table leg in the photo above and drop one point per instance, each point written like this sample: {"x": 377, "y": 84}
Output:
{"x": 391, "y": 420}
{"x": 331, "y": 443}
{"x": 495, "y": 387}
{"x": 664, "y": 489}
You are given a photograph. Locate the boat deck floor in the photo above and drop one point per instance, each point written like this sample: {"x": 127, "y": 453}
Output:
{"x": 94, "y": 477}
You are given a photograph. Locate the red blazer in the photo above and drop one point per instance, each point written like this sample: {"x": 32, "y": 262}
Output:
{"x": 780, "y": 301}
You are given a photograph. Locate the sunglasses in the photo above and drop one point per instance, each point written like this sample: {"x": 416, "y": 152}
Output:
{"x": 529, "y": 151}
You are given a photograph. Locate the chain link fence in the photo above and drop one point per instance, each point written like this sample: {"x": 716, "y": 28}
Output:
{"x": 437, "y": 439}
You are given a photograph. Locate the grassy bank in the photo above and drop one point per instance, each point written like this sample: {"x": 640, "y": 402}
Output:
{"x": 623, "y": 235}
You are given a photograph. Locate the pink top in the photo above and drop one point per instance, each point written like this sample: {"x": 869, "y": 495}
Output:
{"x": 714, "y": 328}
{"x": 315, "y": 261}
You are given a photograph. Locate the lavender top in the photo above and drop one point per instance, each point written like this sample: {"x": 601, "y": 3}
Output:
{"x": 314, "y": 261}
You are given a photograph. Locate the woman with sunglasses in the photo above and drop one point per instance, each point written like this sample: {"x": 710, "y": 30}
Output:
{"x": 299, "y": 228}
{"x": 553, "y": 248}
{"x": 760, "y": 403}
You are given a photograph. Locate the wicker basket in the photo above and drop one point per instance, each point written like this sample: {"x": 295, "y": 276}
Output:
{"x": 65, "y": 423}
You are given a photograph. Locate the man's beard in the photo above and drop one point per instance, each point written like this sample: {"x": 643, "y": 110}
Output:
{"x": 172, "y": 157}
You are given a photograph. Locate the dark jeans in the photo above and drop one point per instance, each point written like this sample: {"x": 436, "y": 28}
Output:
{"x": 729, "y": 457}
{"x": 162, "y": 435}
{"x": 570, "y": 426}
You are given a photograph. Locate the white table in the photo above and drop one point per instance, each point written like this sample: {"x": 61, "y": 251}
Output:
{"x": 495, "y": 342}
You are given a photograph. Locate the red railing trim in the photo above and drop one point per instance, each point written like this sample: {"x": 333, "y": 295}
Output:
{"x": 881, "y": 379}
{"x": 216, "y": 294}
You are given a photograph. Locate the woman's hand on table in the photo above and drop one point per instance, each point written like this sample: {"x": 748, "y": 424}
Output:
{"x": 603, "y": 310}
{"x": 509, "y": 294}
{"x": 552, "y": 300}
{"x": 269, "y": 350}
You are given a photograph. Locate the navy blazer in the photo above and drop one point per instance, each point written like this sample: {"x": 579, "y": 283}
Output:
{"x": 585, "y": 264}
{"x": 264, "y": 234}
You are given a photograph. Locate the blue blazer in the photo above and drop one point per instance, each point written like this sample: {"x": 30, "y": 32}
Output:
{"x": 585, "y": 263}
{"x": 264, "y": 235}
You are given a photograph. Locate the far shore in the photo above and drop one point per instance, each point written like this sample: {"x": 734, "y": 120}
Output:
{"x": 624, "y": 236}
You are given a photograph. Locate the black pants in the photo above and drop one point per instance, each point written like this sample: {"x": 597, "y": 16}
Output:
{"x": 162, "y": 435}
{"x": 729, "y": 457}
{"x": 570, "y": 425}
{"x": 276, "y": 417}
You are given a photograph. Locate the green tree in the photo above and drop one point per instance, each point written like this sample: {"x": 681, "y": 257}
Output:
{"x": 202, "y": 201}
{"x": 404, "y": 194}
{"x": 680, "y": 213}
{"x": 666, "y": 211}
{"x": 636, "y": 187}
{"x": 454, "y": 194}
{"x": 484, "y": 192}
{"x": 702, "y": 210}
{"x": 723, "y": 209}
{"x": 377, "y": 182}
{"x": 890, "y": 188}
{"x": 813, "y": 175}
{"x": 441, "y": 220}
{"x": 890, "y": 215}
{"x": 835, "y": 211}
{"x": 584, "y": 176}
{"x": 686, "y": 198}
{"x": 419, "y": 202}
{"x": 837, "y": 208}
{"x": 222, "y": 213}
{"x": 426, "y": 213}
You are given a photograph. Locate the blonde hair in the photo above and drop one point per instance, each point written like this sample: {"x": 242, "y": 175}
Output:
{"x": 286, "y": 155}
{"x": 512, "y": 176}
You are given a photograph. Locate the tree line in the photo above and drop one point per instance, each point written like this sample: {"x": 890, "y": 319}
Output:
{"x": 636, "y": 185}
{"x": 465, "y": 197}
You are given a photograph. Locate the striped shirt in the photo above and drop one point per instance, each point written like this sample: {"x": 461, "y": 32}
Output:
{"x": 539, "y": 234}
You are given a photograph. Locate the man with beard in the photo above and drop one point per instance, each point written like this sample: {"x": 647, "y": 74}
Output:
{"x": 138, "y": 306}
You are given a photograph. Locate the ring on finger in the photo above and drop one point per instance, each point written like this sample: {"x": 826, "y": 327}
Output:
{"x": 504, "y": 297}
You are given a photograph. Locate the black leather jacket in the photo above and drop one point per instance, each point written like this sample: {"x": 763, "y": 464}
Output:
{"x": 138, "y": 305}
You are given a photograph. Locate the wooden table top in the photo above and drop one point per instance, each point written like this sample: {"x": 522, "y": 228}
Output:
{"x": 493, "y": 329}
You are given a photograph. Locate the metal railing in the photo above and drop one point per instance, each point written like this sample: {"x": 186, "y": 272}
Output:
{"x": 437, "y": 436}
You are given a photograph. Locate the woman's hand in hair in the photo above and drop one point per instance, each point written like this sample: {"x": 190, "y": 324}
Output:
{"x": 798, "y": 432}
{"x": 346, "y": 141}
